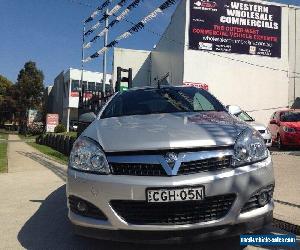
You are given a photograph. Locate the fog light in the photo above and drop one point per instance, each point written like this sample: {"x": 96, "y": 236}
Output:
{"x": 82, "y": 206}
{"x": 263, "y": 199}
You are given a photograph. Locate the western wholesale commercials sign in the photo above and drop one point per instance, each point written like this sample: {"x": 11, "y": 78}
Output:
{"x": 240, "y": 27}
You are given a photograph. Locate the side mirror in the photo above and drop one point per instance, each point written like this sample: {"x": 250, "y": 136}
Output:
{"x": 87, "y": 117}
{"x": 234, "y": 110}
{"x": 84, "y": 121}
{"x": 273, "y": 122}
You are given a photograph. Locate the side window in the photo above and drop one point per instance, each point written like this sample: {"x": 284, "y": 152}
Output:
{"x": 278, "y": 116}
{"x": 114, "y": 108}
{"x": 201, "y": 103}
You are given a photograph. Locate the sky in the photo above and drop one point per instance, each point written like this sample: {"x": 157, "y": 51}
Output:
{"x": 49, "y": 32}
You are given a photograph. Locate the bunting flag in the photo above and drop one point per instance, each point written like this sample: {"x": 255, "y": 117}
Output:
{"x": 119, "y": 18}
{"x": 136, "y": 28}
{"x": 113, "y": 11}
{"x": 98, "y": 10}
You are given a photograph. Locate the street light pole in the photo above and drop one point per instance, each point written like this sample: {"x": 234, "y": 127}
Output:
{"x": 82, "y": 56}
{"x": 81, "y": 88}
{"x": 105, "y": 53}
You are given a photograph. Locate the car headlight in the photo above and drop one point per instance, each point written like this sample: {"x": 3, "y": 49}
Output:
{"x": 268, "y": 131}
{"x": 87, "y": 156}
{"x": 249, "y": 148}
{"x": 287, "y": 129}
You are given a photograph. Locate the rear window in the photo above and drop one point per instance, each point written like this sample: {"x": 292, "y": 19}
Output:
{"x": 290, "y": 117}
{"x": 164, "y": 100}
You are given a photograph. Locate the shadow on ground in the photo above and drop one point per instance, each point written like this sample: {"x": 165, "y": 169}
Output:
{"x": 49, "y": 228}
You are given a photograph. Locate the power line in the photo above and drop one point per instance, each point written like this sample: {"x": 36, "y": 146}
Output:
{"x": 80, "y": 3}
{"x": 134, "y": 29}
{"x": 114, "y": 10}
{"x": 98, "y": 10}
{"x": 134, "y": 4}
{"x": 268, "y": 109}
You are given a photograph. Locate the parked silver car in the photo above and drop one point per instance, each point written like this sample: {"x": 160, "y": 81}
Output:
{"x": 168, "y": 163}
{"x": 244, "y": 116}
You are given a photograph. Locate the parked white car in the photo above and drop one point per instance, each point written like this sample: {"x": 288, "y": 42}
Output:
{"x": 244, "y": 116}
{"x": 73, "y": 126}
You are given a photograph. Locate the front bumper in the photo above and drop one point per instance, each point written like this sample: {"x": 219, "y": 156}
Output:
{"x": 291, "y": 139}
{"x": 268, "y": 139}
{"x": 100, "y": 190}
{"x": 179, "y": 236}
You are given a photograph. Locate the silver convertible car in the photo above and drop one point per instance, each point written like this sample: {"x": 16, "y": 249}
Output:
{"x": 168, "y": 163}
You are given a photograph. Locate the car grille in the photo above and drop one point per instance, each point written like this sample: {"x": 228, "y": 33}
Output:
{"x": 186, "y": 168}
{"x": 253, "y": 201}
{"x": 174, "y": 213}
{"x": 137, "y": 169}
{"x": 212, "y": 164}
{"x": 268, "y": 141}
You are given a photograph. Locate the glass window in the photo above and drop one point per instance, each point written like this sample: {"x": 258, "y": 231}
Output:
{"x": 108, "y": 87}
{"x": 98, "y": 86}
{"x": 85, "y": 85}
{"x": 290, "y": 116}
{"x": 75, "y": 86}
{"x": 164, "y": 100}
{"x": 201, "y": 103}
{"x": 273, "y": 116}
{"x": 245, "y": 117}
{"x": 92, "y": 86}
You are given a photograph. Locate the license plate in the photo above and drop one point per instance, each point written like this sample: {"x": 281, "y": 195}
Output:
{"x": 175, "y": 194}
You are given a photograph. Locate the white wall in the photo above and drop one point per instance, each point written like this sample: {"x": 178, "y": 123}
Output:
{"x": 138, "y": 60}
{"x": 89, "y": 76}
{"x": 297, "y": 53}
{"x": 56, "y": 96}
{"x": 59, "y": 94}
{"x": 168, "y": 55}
{"x": 294, "y": 53}
{"x": 238, "y": 83}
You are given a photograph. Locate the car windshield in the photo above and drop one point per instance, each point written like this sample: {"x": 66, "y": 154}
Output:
{"x": 164, "y": 100}
{"x": 245, "y": 117}
{"x": 290, "y": 117}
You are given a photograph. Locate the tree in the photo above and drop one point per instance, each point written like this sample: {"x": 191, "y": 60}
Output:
{"x": 5, "y": 84}
{"x": 27, "y": 93}
{"x": 29, "y": 88}
{"x": 5, "y": 87}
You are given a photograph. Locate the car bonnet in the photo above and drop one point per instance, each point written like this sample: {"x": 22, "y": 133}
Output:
{"x": 165, "y": 131}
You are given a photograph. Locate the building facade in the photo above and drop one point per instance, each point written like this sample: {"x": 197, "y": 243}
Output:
{"x": 64, "y": 95}
{"x": 247, "y": 53}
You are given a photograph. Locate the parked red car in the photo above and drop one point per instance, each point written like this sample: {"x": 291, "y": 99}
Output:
{"x": 285, "y": 128}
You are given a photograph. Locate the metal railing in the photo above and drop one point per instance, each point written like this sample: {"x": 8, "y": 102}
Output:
{"x": 60, "y": 143}
{"x": 92, "y": 101}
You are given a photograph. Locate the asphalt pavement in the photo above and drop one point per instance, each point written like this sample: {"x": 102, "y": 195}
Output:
{"x": 287, "y": 189}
